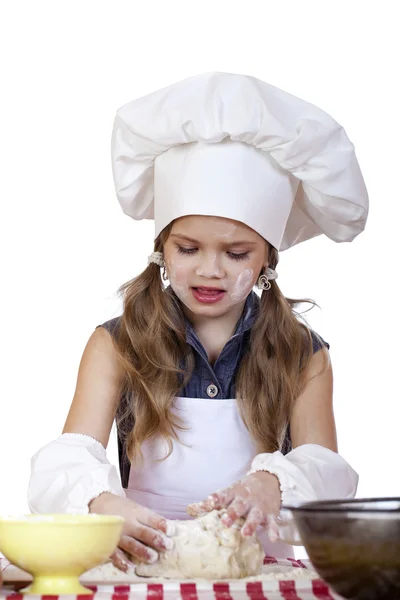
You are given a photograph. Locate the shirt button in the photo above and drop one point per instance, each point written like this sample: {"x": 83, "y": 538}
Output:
{"x": 212, "y": 390}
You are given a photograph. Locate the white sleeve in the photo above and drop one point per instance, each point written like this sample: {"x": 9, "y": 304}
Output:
{"x": 68, "y": 473}
{"x": 309, "y": 472}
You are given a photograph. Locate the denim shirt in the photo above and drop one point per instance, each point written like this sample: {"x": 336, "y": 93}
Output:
{"x": 217, "y": 381}
{"x": 222, "y": 374}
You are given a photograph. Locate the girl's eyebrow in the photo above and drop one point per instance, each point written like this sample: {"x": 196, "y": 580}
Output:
{"x": 235, "y": 243}
{"x": 184, "y": 237}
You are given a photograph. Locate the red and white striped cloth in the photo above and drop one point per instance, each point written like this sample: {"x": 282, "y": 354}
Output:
{"x": 295, "y": 589}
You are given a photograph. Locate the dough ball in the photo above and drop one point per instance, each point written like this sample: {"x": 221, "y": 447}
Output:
{"x": 204, "y": 548}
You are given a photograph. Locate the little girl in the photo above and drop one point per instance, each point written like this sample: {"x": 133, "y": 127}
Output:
{"x": 222, "y": 399}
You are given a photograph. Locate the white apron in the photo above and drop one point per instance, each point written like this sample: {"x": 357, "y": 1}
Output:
{"x": 213, "y": 452}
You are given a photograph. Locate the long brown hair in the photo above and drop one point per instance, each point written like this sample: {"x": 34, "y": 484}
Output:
{"x": 157, "y": 362}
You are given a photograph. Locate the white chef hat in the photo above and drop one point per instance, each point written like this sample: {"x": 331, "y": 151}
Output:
{"x": 233, "y": 146}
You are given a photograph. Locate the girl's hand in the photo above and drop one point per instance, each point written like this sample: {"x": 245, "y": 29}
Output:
{"x": 144, "y": 532}
{"x": 257, "y": 498}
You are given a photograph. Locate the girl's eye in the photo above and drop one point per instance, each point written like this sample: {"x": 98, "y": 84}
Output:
{"x": 232, "y": 255}
{"x": 242, "y": 256}
{"x": 182, "y": 250}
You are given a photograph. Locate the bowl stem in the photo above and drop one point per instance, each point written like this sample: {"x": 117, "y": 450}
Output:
{"x": 56, "y": 585}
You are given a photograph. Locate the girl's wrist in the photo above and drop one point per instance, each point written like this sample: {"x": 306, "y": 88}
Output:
{"x": 99, "y": 504}
{"x": 271, "y": 487}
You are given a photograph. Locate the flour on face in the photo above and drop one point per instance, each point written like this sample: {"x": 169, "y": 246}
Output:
{"x": 243, "y": 286}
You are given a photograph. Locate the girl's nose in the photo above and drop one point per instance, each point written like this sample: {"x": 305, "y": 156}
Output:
{"x": 209, "y": 267}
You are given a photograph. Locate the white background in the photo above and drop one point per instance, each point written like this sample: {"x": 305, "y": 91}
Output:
{"x": 66, "y": 246}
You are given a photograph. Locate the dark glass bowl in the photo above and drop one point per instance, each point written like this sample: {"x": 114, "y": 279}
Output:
{"x": 354, "y": 545}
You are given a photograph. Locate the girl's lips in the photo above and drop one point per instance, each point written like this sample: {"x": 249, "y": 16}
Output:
{"x": 207, "y": 295}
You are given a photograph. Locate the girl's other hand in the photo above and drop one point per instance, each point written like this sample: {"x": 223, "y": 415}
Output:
{"x": 256, "y": 498}
{"x": 144, "y": 534}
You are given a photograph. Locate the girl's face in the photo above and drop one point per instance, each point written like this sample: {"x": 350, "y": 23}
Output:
{"x": 213, "y": 263}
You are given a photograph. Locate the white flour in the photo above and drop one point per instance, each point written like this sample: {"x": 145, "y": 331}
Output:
{"x": 109, "y": 573}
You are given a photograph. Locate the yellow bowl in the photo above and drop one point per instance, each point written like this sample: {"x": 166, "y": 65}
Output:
{"x": 57, "y": 549}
